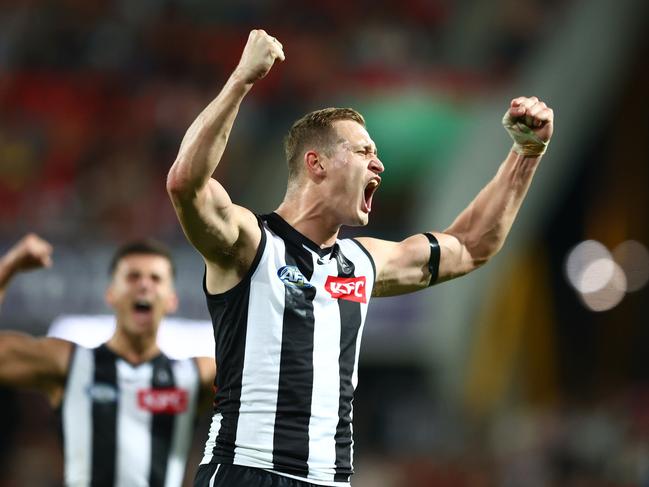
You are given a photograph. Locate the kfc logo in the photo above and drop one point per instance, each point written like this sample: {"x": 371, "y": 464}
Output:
{"x": 349, "y": 288}
{"x": 163, "y": 401}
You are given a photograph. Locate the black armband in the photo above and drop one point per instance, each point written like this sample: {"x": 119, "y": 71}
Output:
{"x": 433, "y": 261}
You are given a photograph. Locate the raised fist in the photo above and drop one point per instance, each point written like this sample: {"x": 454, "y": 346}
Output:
{"x": 259, "y": 55}
{"x": 30, "y": 252}
{"x": 530, "y": 123}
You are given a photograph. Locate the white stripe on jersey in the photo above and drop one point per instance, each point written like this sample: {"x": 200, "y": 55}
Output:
{"x": 326, "y": 385}
{"x": 185, "y": 372}
{"x": 260, "y": 379}
{"x": 215, "y": 427}
{"x": 76, "y": 415}
{"x": 133, "y": 460}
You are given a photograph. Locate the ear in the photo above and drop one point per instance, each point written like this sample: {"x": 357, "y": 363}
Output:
{"x": 314, "y": 165}
{"x": 109, "y": 296}
{"x": 171, "y": 305}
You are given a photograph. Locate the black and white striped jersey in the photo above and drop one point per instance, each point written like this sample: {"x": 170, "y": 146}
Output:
{"x": 127, "y": 425}
{"x": 287, "y": 342}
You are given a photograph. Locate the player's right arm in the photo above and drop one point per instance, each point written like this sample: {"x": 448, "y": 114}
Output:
{"x": 225, "y": 234}
{"x": 25, "y": 361}
{"x": 34, "y": 363}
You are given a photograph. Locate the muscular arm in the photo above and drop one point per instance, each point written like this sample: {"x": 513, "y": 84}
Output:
{"x": 480, "y": 230}
{"x": 225, "y": 234}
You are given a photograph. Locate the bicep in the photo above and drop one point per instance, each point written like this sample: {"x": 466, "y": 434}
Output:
{"x": 403, "y": 267}
{"x": 211, "y": 222}
{"x": 38, "y": 363}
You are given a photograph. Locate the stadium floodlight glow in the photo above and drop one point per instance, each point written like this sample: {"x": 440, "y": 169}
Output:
{"x": 610, "y": 295}
{"x": 633, "y": 258}
{"x": 596, "y": 275}
{"x": 586, "y": 266}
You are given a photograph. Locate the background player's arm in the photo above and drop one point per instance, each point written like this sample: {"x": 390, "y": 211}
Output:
{"x": 30, "y": 252}
{"x": 479, "y": 231}
{"x": 34, "y": 363}
{"x": 222, "y": 232}
{"x": 25, "y": 361}
{"x": 207, "y": 373}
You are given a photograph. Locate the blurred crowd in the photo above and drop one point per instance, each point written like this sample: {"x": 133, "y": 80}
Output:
{"x": 95, "y": 96}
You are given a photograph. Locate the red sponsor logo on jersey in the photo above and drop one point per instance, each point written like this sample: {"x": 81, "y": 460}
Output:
{"x": 349, "y": 288}
{"x": 163, "y": 401}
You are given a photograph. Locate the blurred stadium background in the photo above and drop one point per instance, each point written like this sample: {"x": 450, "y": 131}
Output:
{"x": 531, "y": 372}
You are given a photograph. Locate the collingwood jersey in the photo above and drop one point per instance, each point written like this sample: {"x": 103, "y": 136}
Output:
{"x": 127, "y": 425}
{"x": 287, "y": 342}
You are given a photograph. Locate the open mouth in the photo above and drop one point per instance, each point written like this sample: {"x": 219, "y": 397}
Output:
{"x": 142, "y": 306}
{"x": 368, "y": 193}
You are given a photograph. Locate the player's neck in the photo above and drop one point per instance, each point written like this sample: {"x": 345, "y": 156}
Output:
{"x": 134, "y": 348}
{"x": 310, "y": 219}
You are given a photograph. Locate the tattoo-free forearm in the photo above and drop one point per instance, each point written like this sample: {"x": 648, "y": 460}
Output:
{"x": 483, "y": 226}
{"x": 205, "y": 140}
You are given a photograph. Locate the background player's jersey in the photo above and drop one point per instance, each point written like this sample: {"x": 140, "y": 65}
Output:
{"x": 287, "y": 342}
{"x": 127, "y": 425}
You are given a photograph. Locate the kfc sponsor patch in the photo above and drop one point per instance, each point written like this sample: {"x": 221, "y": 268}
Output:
{"x": 349, "y": 288}
{"x": 163, "y": 401}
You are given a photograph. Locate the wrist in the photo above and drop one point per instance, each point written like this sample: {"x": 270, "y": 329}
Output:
{"x": 529, "y": 149}
{"x": 240, "y": 79}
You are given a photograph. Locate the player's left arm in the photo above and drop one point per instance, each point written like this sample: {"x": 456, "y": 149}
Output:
{"x": 480, "y": 230}
{"x": 207, "y": 373}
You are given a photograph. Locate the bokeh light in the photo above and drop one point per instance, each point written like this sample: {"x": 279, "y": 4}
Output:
{"x": 602, "y": 278}
{"x": 633, "y": 258}
{"x": 586, "y": 267}
{"x": 611, "y": 294}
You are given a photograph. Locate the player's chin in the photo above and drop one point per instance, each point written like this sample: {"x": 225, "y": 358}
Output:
{"x": 360, "y": 219}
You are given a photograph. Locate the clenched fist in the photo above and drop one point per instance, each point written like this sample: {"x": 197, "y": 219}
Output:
{"x": 31, "y": 252}
{"x": 259, "y": 55}
{"x": 530, "y": 123}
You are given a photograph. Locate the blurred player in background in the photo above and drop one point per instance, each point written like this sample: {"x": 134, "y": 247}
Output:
{"x": 288, "y": 299}
{"x": 128, "y": 411}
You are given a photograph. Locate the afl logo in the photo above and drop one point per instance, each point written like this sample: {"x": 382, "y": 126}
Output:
{"x": 292, "y": 277}
{"x": 103, "y": 393}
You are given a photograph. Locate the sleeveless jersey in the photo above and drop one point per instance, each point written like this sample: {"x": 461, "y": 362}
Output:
{"x": 127, "y": 425}
{"x": 287, "y": 344}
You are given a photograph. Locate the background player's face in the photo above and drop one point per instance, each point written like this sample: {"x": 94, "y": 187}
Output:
{"x": 142, "y": 292}
{"x": 352, "y": 173}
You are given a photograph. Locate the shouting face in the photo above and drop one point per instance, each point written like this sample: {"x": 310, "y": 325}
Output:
{"x": 352, "y": 173}
{"x": 141, "y": 293}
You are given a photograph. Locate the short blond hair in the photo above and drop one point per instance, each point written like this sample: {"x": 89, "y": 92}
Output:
{"x": 314, "y": 130}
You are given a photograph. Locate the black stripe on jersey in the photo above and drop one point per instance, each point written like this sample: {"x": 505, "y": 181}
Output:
{"x": 350, "y": 322}
{"x": 162, "y": 424}
{"x": 104, "y": 395}
{"x": 291, "y": 438}
{"x": 229, "y": 314}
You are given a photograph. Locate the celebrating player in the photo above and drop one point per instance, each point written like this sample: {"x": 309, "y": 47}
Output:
{"x": 127, "y": 409}
{"x": 288, "y": 298}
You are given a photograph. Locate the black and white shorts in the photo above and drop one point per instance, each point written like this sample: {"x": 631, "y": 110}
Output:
{"x": 225, "y": 475}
